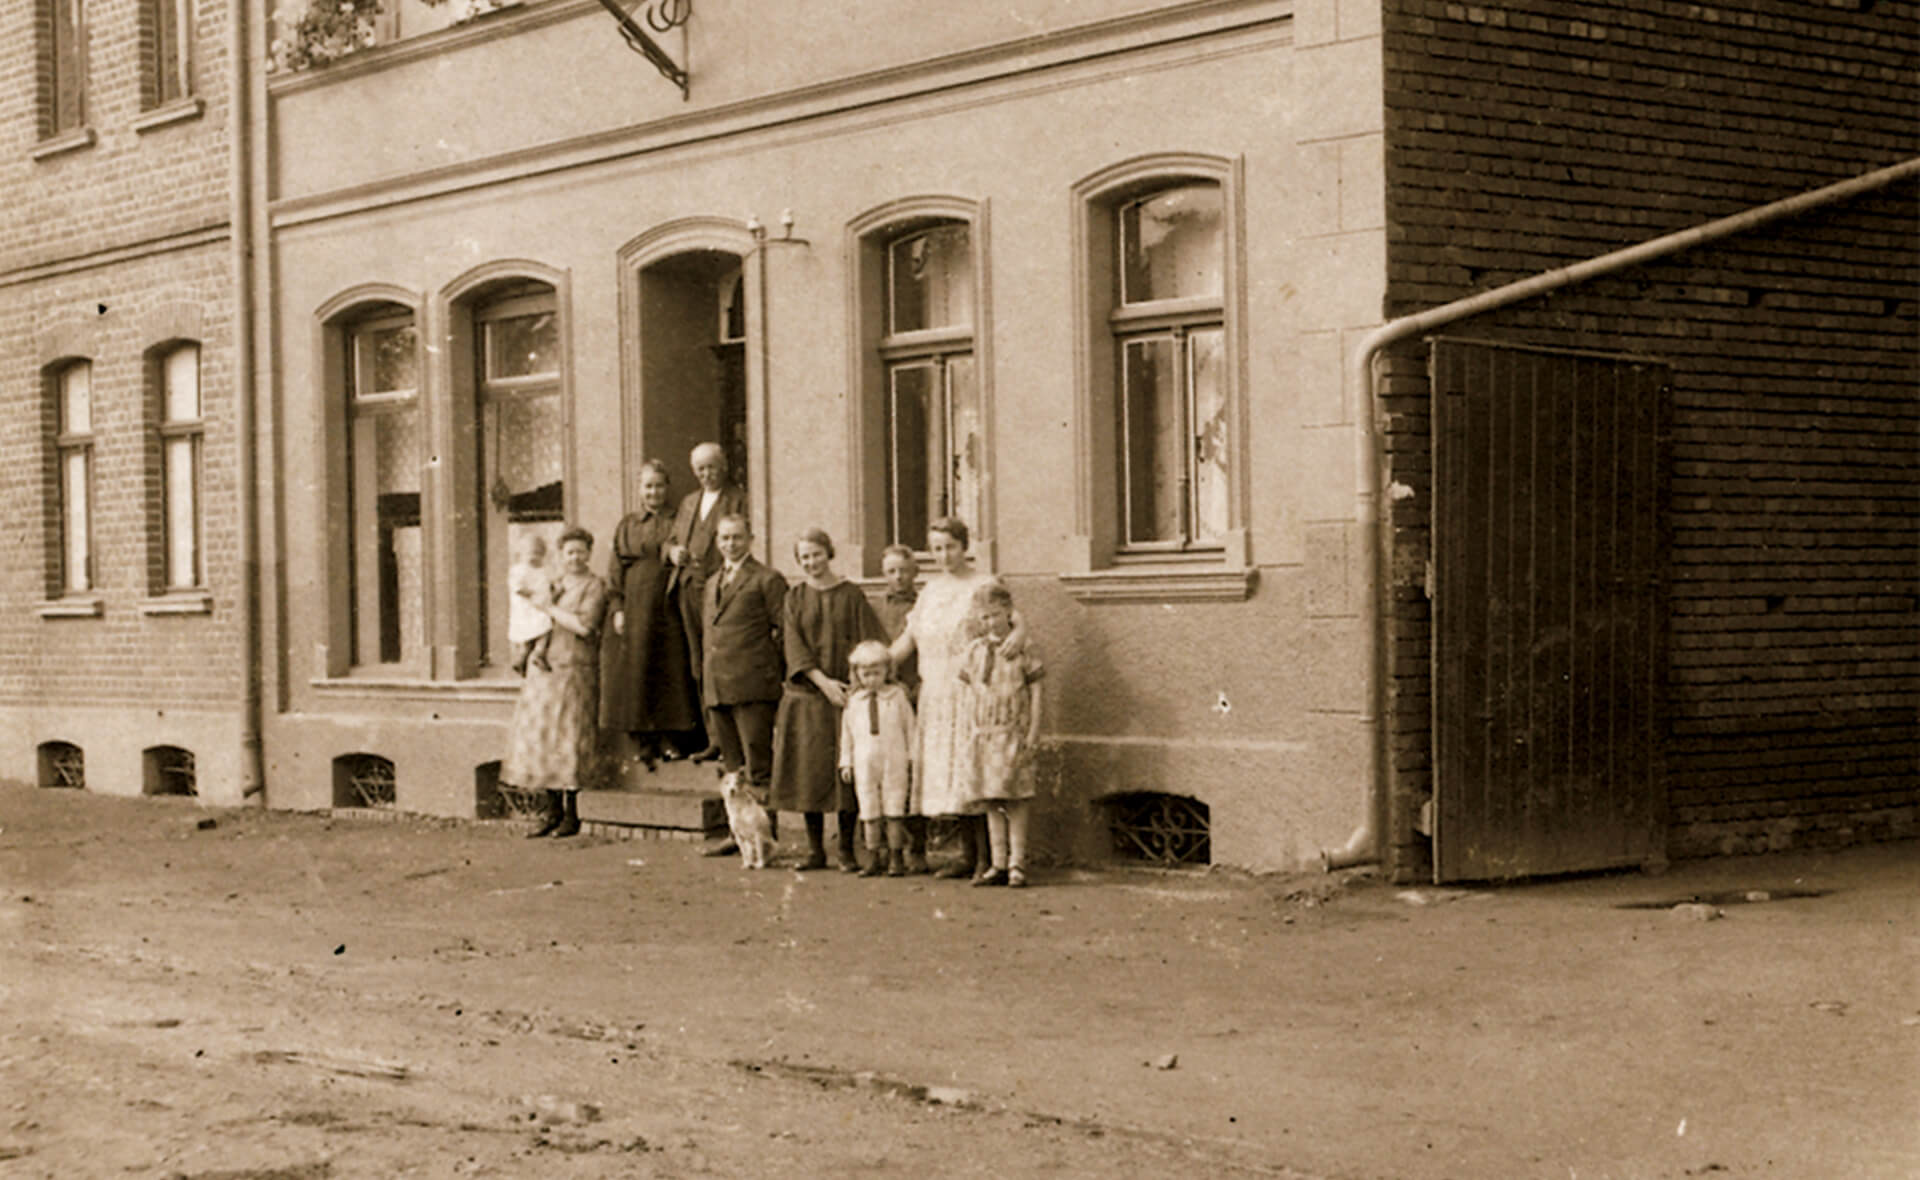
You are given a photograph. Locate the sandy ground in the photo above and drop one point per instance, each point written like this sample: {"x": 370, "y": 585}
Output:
{"x": 292, "y": 996}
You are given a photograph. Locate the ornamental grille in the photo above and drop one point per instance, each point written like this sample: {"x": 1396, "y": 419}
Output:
{"x": 1159, "y": 829}
{"x": 369, "y": 781}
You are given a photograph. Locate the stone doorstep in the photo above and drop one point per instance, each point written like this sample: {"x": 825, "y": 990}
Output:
{"x": 636, "y": 832}
{"x": 678, "y": 811}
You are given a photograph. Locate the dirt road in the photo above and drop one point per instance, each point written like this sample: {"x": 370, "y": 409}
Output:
{"x": 290, "y": 996}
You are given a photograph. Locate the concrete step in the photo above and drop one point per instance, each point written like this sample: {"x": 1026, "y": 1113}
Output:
{"x": 676, "y": 799}
{"x": 654, "y": 809}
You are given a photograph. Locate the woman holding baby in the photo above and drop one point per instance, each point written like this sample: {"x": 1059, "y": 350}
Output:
{"x": 553, "y": 739}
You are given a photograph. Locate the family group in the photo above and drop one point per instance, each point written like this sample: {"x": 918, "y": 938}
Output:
{"x": 927, "y": 707}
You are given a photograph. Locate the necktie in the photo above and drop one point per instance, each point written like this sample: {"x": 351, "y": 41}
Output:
{"x": 873, "y": 714}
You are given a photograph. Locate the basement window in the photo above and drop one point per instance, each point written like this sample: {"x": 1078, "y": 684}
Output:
{"x": 168, "y": 770}
{"x": 1159, "y": 829}
{"x": 63, "y": 765}
{"x": 363, "y": 780}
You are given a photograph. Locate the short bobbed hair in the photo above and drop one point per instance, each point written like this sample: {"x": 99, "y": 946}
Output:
{"x": 869, "y": 653}
{"x": 575, "y": 533}
{"x": 990, "y": 594}
{"x": 953, "y": 527}
{"x": 817, "y": 536}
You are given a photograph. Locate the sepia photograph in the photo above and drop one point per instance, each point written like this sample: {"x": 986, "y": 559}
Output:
{"x": 1291, "y": 589}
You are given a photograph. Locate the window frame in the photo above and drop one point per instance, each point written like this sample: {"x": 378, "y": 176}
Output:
{"x": 64, "y": 68}
{"x": 1177, "y": 320}
{"x": 69, "y": 444}
{"x": 169, "y": 431}
{"x": 492, "y": 519}
{"x": 935, "y": 348}
{"x": 366, "y": 624}
{"x": 877, "y": 353}
{"x": 1102, "y": 561}
{"x": 168, "y": 52}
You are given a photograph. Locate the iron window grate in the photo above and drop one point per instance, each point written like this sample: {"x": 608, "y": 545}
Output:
{"x": 1160, "y": 829}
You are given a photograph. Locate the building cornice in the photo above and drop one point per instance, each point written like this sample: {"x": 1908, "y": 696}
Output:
{"x": 1128, "y": 36}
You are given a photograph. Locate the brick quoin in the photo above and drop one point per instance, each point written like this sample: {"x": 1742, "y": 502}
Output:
{"x": 1525, "y": 137}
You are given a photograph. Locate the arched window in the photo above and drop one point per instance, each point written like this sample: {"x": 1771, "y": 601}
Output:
{"x": 1160, "y": 439}
{"x": 922, "y": 415}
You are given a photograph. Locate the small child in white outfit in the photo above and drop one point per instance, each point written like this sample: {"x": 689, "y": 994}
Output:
{"x": 529, "y": 627}
{"x": 876, "y": 752}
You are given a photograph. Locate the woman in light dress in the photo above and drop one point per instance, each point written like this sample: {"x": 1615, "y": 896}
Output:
{"x": 947, "y": 782}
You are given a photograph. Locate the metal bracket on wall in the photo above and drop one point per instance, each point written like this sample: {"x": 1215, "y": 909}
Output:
{"x": 662, "y": 16}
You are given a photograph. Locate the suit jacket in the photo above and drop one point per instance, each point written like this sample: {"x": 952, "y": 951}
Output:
{"x": 744, "y": 659}
{"x": 696, "y": 533}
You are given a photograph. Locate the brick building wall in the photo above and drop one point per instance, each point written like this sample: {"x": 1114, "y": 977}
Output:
{"x": 1525, "y": 137}
{"x": 115, "y": 241}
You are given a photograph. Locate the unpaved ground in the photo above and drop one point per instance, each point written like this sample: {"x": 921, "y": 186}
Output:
{"x": 291, "y": 996}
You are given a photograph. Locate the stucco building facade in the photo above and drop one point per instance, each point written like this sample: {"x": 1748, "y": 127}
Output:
{"x": 1170, "y": 301}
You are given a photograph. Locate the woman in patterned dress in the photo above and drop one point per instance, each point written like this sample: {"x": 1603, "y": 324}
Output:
{"x": 946, "y": 783}
{"x": 552, "y": 741}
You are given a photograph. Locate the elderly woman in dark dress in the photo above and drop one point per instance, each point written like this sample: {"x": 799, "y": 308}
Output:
{"x": 826, "y": 618}
{"x": 552, "y": 741}
{"x": 647, "y": 686}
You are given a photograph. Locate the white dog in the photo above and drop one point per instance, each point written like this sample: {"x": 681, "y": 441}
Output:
{"x": 752, "y": 828}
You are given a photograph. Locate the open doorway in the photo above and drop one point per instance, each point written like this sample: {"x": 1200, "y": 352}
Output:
{"x": 693, "y": 372}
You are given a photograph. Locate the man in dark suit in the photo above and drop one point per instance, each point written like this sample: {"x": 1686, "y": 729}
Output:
{"x": 745, "y": 661}
{"x": 691, "y": 550}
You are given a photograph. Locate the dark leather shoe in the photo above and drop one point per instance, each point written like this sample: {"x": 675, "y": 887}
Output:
{"x": 722, "y": 848}
{"x": 710, "y": 754}
{"x": 567, "y": 827}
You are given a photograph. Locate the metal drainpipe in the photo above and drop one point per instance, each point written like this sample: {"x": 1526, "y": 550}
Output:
{"x": 240, "y": 214}
{"x": 1363, "y": 847}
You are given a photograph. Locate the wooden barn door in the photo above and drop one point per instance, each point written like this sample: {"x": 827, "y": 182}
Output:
{"x": 1548, "y": 610}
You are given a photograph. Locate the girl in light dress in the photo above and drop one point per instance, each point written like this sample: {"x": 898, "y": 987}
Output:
{"x": 1003, "y": 693}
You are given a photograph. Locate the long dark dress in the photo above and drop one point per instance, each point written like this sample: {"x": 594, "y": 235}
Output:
{"x": 822, "y": 628}
{"x": 552, "y": 742}
{"x": 646, "y": 683}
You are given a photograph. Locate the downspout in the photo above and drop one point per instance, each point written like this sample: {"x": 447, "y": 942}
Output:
{"x": 1363, "y": 846}
{"x": 240, "y": 214}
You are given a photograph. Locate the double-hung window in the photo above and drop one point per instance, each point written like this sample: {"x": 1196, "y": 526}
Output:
{"x": 73, "y": 450}
{"x": 182, "y": 430}
{"x": 1168, "y": 329}
{"x": 384, "y": 453}
{"x": 521, "y": 462}
{"x": 932, "y": 392}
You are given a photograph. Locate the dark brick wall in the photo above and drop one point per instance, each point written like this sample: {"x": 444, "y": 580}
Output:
{"x": 1526, "y": 137}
